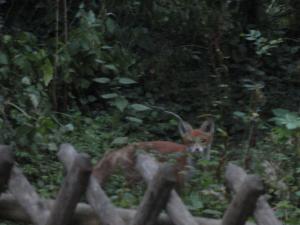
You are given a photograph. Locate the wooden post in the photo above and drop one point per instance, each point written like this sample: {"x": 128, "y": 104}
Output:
{"x": 263, "y": 213}
{"x": 243, "y": 203}
{"x": 6, "y": 164}
{"x": 27, "y": 197}
{"x": 69, "y": 195}
{"x": 95, "y": 195}
{"x": 156, "y": 196}
{"x": 175, "y": 208}
{"x": 84, "y": 214}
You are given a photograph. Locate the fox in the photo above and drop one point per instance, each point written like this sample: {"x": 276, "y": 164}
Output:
{"x": 194, "y": 141}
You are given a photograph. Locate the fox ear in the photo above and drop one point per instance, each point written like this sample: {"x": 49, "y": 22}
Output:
{"x": 185, "y": 129}
{"x": 208, "y": 126}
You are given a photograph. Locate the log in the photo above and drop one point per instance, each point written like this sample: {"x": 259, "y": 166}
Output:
{"x": 97, "y": 198}
{"x": 156, "y": 196}
{"x": 71, "y": 190}
{"x": 263, "y": 213}
{"x": 27, "y": 197}
{"x": 84, "y": 214}
{"x": 176, "y": 209}
{"x": 6, "y": 164}
{"x": 243, "y": 204}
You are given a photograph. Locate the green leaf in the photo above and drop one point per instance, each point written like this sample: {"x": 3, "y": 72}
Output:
{"x": 106, "y": 47}
{"x": 126, "y": 80}
{"x": 69, "y": 127}
{"x": 102, "y": 80}
{"x": 91, "y": 98}
{"x": 26, "y": 80}
{"x": 196, "y": 203}
{"x": 6, "y": 39}
{"x": 120, "y": 141}
{"x": 52, "y": 146}
{"x": 110, "y": 25}
{"x": 99, "y": 61}
{"x": 121, "y": 103}
{"x": 47, "y": 70}
{"x": 139, "y": 107}
{"x": 112, "y": 67}
{"x": 108, "y": 96}
{"x": 283, "y": 117}
{"x": 212, "y": 212}
{"x": 134, "y": 119}
{"x": 3, "y": 59}
{"x": 34, "y": 100}
{"x": 239, "y": 114}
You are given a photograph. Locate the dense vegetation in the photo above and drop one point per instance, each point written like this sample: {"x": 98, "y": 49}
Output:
{"x": 89, "y": 72}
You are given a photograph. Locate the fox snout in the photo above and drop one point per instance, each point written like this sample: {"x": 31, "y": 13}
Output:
{"x": 196, "y": 149}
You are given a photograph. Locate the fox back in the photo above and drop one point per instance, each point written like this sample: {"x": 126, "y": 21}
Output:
{"x": 194, "y": 141}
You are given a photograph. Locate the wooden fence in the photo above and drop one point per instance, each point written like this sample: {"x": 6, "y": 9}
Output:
{"x": 21, "y": 202}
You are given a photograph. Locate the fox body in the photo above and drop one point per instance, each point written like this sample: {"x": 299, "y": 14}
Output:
{"x": 194, "y": 141}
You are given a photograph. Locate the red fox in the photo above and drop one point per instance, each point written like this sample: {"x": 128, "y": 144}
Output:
{"x": 194, "y": 141}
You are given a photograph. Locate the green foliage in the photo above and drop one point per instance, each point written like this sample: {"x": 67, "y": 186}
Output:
{"x": 290, "y": 120}
{"x": 92, "y": 85}
{"x": 263, "y": 45}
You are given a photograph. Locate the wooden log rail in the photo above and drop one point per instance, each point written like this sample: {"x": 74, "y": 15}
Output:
{"x": 243, "y": 204}
{"x": 96, "y": 197}
{"x": 176, "y": 209}
{"x": 263, "y": 213}
{"x": 23, "y": 204}
{"x": 72, "y": 188}
{"x": 156, "y": 197}
{"x": 84, "y": 214}
{"x": 62, "y": 211}
{"x": 6, "y": 164}
{"x": 58, "y": 212}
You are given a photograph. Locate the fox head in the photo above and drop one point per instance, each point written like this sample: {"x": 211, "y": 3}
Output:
{"x": 197, "y": 140}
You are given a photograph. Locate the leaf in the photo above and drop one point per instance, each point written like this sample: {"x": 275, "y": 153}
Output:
{"x": 212, "y": 212}
{"x": 110, "y": 25}
{"x": 121, "y": 103}
{"x": 134, "y": 119}
{"x": 111, "y": 67}
{"x": 102, "y": 80}
{"x": 26, "y": 80}
{"x": 239, "y": 114}
{"x": 47, "y": 71}
{"x": 280, "y": 112}
{"x": 99, "y": 61}
{"x": 120, "y": 141}
{"x": 196, "y": 203}
{"x": 139, "y": 107}
{"x": 126, "y": 80}
{"x": 3, "y": 59}
{"x": 108, "y": 96}
{"x": 6, "y": 39}
{"x": 91, "y": 98}
{"x": 69, "y": 127}
{"x": 52, "y": 146}
{"x": 290, "y": 120}
{"x": 34, "y": 100}
{"x": 106, "y": 47}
